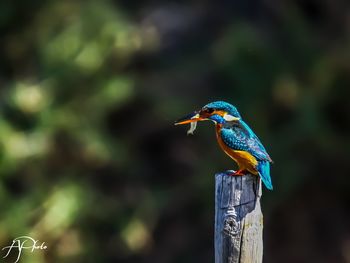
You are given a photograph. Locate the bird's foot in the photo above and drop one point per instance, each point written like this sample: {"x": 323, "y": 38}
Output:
{"x": 237, "y": 173}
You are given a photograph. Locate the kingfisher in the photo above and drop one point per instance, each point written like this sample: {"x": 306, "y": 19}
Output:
{"x": 235, "y": 138}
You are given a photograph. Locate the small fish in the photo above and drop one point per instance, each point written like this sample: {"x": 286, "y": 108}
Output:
{"x": 194, "y": 117}
{"x": 192, "y": 128}
{"x": 193, "y": 125}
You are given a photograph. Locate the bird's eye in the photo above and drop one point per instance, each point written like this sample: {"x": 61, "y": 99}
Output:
{"x": 209, "y": 110}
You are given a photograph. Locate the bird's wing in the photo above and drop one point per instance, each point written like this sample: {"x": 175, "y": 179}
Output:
{"x": 242, "y": 138}
{"x": 257, "y": 141}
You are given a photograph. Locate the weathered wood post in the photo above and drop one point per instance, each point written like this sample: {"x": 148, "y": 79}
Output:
{"x": 238, "y": 219}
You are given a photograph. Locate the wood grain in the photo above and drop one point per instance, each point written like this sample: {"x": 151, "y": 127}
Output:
{"x": 238, "y": 219}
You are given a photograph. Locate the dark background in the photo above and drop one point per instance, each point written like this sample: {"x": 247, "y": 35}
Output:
{"x": 91, "y": 163}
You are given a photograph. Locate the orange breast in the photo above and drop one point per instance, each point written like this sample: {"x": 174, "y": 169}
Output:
{"x": 244, "y": 160}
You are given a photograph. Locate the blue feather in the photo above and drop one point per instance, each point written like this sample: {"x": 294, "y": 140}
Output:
{"x": 264, "y": 172}
{"x": 260, "y": 149}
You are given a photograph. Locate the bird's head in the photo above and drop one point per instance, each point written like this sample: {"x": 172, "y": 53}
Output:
{"x": 219, "y": 112}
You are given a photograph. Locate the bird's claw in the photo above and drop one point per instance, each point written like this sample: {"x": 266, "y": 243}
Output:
{"x": 237, "y": 173}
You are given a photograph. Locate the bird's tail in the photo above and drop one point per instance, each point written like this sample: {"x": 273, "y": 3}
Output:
{"x": 264, "y": 172}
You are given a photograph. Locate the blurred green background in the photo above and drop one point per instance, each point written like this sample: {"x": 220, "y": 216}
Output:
{"x": 91, "y": 163}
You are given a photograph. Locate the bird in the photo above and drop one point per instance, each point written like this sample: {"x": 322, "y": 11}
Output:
{"x": 235, "y": 138}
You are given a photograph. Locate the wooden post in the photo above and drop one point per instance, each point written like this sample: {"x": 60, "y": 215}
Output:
{"x": 238, "y": 219}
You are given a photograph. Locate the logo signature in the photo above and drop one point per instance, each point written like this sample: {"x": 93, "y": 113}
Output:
{"x": 24, "y": 242}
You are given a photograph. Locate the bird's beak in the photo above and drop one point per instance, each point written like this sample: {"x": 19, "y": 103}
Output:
{"x": 193, "y": 117}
